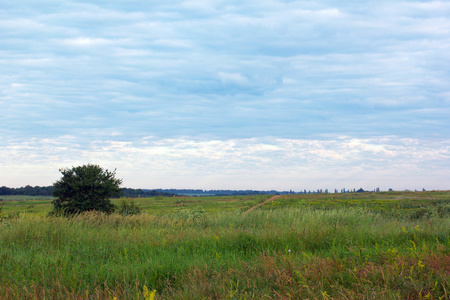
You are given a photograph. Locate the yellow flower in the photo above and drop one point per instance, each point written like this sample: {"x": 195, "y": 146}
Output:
{"x": 420, "y": 264}
{"x": 149, "y": 295}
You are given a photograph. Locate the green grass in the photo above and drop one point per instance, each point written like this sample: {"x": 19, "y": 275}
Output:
{"x": 409, "y": 204}
{"x": 23, "y": 197}
{"x": 12, "y": 205}
{"x": 154, "y": 205}
{"x": 292, "y": 251}
{"x": 212, "y": 204}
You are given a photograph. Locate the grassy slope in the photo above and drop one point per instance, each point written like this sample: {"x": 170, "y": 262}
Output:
{"x": 299, "y": 247}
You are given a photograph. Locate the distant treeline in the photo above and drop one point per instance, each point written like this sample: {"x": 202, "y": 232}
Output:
{"x": 48, "y": 191}
{"x": 134, "y": 193}
{"x": 191, "y": 192}
{"x": 27, "y": 190}
{"x": 198, "y": 192}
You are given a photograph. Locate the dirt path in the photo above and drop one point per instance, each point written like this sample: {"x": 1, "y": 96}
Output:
{"x": 262, "y": 203}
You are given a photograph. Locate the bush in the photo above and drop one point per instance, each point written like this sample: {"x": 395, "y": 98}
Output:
{"x": 422, "y": 212}
{"x": 443, "y": 210}
{"x": 128, "y": 208}
{"x": 85, "y": 188}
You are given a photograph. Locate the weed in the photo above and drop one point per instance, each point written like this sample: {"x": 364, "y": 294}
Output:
{"x": 189, "y": 214}
{"x": 128, "y": 208}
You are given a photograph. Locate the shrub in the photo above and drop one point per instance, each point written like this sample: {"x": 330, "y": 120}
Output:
{"x": 128, "y": 208}
{"x": 443, "y": 210}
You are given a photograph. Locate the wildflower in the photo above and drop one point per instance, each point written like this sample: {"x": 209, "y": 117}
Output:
{"x": 149, "y": 295}
{"x": 420, "y": 264}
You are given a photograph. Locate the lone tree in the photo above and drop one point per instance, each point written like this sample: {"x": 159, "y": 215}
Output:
{"x": 85, "y": 188}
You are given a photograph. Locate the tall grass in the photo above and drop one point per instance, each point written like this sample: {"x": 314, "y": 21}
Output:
{"x": 284, "y": 253}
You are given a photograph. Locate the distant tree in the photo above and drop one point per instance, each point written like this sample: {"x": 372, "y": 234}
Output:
{"x": 85, "y": 188}
{"x": 5, "y": 190}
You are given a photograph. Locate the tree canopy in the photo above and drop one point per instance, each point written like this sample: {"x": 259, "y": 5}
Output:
{"x": 85, "y": 188}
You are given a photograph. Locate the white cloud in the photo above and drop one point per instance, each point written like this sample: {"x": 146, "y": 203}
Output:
{"x": 87, "y": 42}
{"x": 17, "y": 24}
{"x": 173, "y": 43}
{"x": 326, "y": 14}
{"x": 233, "y": 78}
{"x": 289, "y": 80}
{"x": 258, "y": 163}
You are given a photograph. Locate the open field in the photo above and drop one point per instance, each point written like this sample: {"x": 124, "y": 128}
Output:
{"x": 153, "y": 205}
{"x": 24, "y": 197}
{"x": 324, "y": 246}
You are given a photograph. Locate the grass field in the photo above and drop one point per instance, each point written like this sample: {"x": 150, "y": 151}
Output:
{"x": 319, "y": 246}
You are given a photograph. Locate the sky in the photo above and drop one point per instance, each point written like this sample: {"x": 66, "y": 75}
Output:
{"x": 216, "y": 94}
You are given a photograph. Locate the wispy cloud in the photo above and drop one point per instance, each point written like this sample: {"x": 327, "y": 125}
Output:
{"x": 258, "y": 163}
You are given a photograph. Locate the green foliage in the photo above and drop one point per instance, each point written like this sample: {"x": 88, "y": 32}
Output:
{"x": 128, "y": 208}
{"x": 85, "y": 188}
{"x": 400, "y": 205}
{"x": 189, "y": 214}
{"x": 441, "y": 210}
{"x": 10, "y": 215}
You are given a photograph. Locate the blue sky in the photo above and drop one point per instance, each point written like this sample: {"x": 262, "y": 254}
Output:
{"x": 227, "y": 94}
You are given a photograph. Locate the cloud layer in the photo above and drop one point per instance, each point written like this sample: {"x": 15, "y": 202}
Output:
{"x": 258, "y": 163}
{"x": 277, "y": 74}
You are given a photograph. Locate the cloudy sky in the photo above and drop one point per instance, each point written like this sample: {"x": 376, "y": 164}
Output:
{"x": 217, "y": 94}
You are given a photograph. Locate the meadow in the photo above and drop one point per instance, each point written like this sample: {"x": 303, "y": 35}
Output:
{"x": 392, "y": 245}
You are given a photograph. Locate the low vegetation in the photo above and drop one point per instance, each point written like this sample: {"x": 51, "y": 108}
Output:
{"x": 325, "y": 246}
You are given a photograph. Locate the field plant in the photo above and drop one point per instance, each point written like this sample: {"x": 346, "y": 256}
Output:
{"x": 128, "y": 207}
{"x": 274, "y": 252}
{"x": 395, "y": 204}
